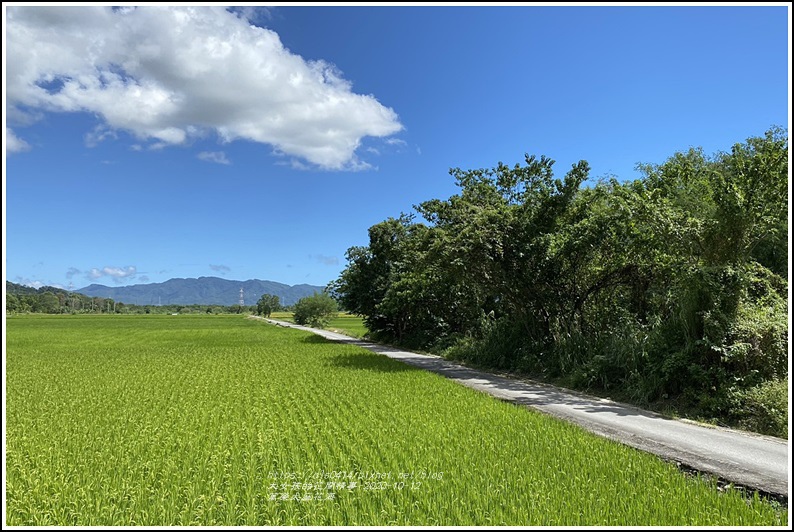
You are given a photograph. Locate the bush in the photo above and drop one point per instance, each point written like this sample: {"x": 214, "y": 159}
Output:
{"x": 501, "y": 345}
{"x": 315, "y": 311}
{"x": 756, "y": 346}
{"x": 763, "y": 408}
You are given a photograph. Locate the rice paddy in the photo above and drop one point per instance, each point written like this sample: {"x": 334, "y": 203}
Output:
{"x": 348, "y": 324}
{"x": 221, "y": 420}
{"x": 344, "y": 323}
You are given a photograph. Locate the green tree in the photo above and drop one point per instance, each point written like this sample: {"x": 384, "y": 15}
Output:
{"x": 498, "y": 239}
{"x": 316, "y": 310}
{"x": 394, "y": 283}
{"x": 47, "y": 303}
{"x": 12, "y": 303}
{"x": 671, "y": 284}
{"x": 267, "y": 304}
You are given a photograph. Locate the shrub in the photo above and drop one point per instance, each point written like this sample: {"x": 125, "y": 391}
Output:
{"x": 756, "y": 346}
{"x": 763, "y": 408}
{"x": 315, "y": 311}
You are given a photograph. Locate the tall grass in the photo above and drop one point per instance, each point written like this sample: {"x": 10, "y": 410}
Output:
{"x": 210, "y": 420}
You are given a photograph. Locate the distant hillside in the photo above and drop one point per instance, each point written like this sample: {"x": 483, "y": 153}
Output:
{"x": 19, "y": 289}
{"x": 201, "y": 291}
{"x": 22, "y": 290}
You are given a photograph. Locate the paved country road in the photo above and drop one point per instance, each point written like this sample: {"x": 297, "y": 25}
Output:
{"x": 755, "y": 461}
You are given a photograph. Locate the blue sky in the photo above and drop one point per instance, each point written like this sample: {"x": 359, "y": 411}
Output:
{"x": 147, "y": 144}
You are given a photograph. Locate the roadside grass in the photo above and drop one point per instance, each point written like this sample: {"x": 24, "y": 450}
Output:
{"x": 348, "y": 324}
{"x": 344, "y": 323}
{"x": 220, "y": 420}
{"x": 284, "y": 316}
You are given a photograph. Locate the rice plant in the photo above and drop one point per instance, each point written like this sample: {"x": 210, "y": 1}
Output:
{"x": 220, "y": 420}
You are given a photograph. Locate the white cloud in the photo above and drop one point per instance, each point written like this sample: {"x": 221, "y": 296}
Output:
{"x": 36, "y": 283}
{"x": 129, "y": 271}
{"x": 23, "y": 117}
{"x": 30, "y": 283}
{"x": 253, "y": 14}
{"x": 326, "y": 260}
{"x": 172, "y": 74}
{"x": 353, "y": 165}
{"x": 214, "y": 157}
{"x": 98, "y": 134}
{"x": 15, "y": 144}
{"x": 221, "y": 268}
{"x": 116, "y": 273}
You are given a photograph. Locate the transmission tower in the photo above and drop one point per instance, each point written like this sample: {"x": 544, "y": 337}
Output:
{"x": 242, "y": 300}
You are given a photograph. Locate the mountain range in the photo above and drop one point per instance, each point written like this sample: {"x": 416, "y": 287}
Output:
{"x": 201, "y": 291}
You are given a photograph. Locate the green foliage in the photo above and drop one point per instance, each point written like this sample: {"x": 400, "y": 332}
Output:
{"x": 206, "y": 420}
{"x": 756, "y": 341}
{"x": 315, "y": 311}
{"x": 673, "y": 285}
{"x": 267, "y": 304}
{"x": 47, "y": 303}
{"x": 49, "y": 300}
{"x": 500, "y": 345}
{"x": 762, "y": 408}
{"x": 13, "y": 304}
{"x": 750, "y": 190}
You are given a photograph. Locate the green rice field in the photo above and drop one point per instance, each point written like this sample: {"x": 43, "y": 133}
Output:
{"x": 223, "y": 420}
{"x": 344, "y": 323}
{"x": 348, "y": 324}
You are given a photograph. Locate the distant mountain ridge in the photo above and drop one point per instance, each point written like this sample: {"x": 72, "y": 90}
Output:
{"x": 201, "y": 291}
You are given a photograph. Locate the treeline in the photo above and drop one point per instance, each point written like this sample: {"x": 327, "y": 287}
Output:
{"x": 316, "y": 310}
{"x": 51, "y": 300}
{"x": 672, "y": 286}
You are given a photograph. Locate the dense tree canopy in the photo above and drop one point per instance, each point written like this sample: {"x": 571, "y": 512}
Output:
{"x": 674, "y": 284}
